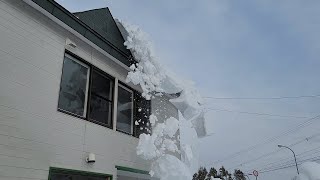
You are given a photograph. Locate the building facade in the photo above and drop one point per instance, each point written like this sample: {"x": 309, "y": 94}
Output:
{"x": 65, "y": 109}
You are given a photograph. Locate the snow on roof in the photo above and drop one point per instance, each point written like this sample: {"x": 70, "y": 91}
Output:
{"x": 153, "y": 77}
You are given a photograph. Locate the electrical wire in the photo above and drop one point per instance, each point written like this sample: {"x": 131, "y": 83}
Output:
{"x": 301, "y": 155}
{"x": 289, "y": 165}
{"x": 271, "y": 153}
{"x": 278, "y": 150}
{"x": 295, "y": 129}
{"x": 262, "y": 98}
{"x": 256, "y": 113}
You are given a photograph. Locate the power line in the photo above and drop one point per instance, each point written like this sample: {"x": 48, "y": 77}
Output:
{"x": 295, "y": 129}
{"x": 287, "y": 165}
{"x": 301, "y": 155}
{"x": 273, "y": 152}
{"x": 262, "y": 98}
{"x": 278, "y": 150}
{"x": 290, "y": 165}
{"x": 257, "y": 113}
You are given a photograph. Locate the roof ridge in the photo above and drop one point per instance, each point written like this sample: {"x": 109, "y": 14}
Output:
{"x": 90, "y": 10}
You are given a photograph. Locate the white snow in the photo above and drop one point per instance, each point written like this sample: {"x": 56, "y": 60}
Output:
{"x": 148, "y": 73}
{"x": 161, "y": 141}
{"x": 146, "y": 147}
{"x": 189, "y": 144}
{"x": 155, "y": 80}
{"x": 153, "y": 119}
{"x": 309, "y": 171}
{"x": 171, "y": 127}
{"x": 169, "y": 167}
{"x": 170, "y": 145}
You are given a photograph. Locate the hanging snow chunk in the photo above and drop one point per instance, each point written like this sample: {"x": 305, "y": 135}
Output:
{"x": 146, "y": 147}
{"x": 171, "y": 127}
{"x": 155, "y": 80}
{"x": 170, "y": 167}
{"x": 147, "y": 73}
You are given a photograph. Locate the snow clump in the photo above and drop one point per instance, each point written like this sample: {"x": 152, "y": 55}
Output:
{"x": 160, "y": 147}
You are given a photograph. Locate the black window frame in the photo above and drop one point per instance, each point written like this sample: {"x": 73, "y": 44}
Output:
{"x": 91, "y": 68}
{"x": 135, "y": 117}
{"x": 81, "y": 62}
{"x": 102, "y": 73}
{"x": 126, "y": 87}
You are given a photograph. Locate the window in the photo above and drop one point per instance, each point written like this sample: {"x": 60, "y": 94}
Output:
{"x": 74, "y": 87}
{"x": 125, "y": 110}
{"x": 142, "y": 113}
{"x": 87, "y": 92}
{"x": 100, "y": 99}
{"x": 77, "y": 95}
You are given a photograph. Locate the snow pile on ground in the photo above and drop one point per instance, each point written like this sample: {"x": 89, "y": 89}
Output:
{"x": 309, "y": 171}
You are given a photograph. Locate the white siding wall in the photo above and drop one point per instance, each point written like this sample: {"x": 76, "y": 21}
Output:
{"x": 33, "y": 134}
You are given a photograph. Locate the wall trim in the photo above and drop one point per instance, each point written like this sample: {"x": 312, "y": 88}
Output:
{"x": 133, "y": 170}
{"x": 80, "y": 172}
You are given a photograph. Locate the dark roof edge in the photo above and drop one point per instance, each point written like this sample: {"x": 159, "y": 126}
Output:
{"x": 89, "y": 10}
{"x": 51, "y": 6}
{"x": 131, "y": 56}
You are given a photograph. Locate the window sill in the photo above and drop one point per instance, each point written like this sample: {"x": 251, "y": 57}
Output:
{"x": 83, "y": 118}
{"x": 127, "y": 134}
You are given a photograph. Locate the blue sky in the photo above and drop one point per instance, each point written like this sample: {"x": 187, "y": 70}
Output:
{"x": 238, "y": 49}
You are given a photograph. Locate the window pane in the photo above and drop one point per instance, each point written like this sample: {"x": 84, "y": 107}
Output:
{"x": 142, "y": 111}
{"x": 100, "y": 110}
{"x": 101, "y": 86}
{"x": 100, "y": 99}
{"x": 125, "y": 111}
{"x": 73, "y": 87}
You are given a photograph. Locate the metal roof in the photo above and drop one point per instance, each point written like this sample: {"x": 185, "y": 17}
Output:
{"x": 96, "y": 25}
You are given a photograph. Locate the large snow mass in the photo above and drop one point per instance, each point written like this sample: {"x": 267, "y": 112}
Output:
{"x": 156, "y": 80}
{"x": 309, "y": 171}
{"x": 161, "y": 147}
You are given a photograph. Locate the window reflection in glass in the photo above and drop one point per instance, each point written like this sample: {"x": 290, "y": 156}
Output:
{"x": 125, "y": 110}
{"x": 101, "y": 99}
{"x": 73, "y": 87}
